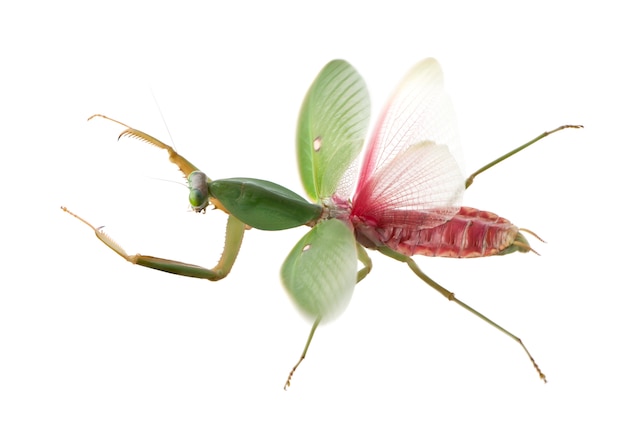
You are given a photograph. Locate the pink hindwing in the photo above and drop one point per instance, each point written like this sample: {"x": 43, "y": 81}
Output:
{"x": 410, "y": 175}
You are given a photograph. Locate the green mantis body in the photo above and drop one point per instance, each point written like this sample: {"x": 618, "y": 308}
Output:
{"x": 321, "y": 271}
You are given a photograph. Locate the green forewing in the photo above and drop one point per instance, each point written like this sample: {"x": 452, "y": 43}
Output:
{"x": 263, "y": 205}
{"x": 332, "y": 126}
{"x": 320, "y": 271}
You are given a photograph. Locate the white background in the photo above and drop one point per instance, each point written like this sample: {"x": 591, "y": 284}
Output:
{"x": 87, "y": 336}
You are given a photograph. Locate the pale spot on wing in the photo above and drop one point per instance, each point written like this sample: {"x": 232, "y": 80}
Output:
{"x": 317, "y": 143}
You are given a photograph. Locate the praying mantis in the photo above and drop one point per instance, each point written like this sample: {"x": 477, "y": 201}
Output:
{"x": 407, "y": 201}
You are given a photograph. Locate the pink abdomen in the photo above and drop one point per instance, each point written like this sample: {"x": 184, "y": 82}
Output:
{"x": 470, "y": 233}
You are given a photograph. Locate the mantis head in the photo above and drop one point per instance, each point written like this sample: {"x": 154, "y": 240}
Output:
{"x": 198, "y": 190}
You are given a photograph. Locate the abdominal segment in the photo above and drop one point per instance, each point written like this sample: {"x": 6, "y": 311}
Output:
{"x": 471, "y": 233}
